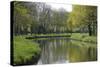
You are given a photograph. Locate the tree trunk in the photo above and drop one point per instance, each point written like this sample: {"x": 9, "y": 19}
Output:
{"x": 89, "y": 29}
{"x": 93, "y": 28}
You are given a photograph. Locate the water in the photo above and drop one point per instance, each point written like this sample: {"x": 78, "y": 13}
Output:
{"x": 65, "y": 50}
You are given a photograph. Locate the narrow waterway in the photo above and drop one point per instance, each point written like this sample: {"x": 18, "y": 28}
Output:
{"x": 65, "y": 50}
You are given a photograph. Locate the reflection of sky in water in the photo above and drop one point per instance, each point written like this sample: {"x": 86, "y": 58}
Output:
{"x": 64, "y": 51}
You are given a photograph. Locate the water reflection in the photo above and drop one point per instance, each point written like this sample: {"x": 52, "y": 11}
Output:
{"x": 64, "y": 50}
{"x": 81, "y": 51}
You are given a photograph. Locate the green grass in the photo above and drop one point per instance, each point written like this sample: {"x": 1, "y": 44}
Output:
{"x": 84, "y": 37}
{"x": 24, "y": 50}
{"x": 79, "y": 36}
{"x": 51, "y": 34}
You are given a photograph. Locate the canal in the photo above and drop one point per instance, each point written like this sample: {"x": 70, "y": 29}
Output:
{"x": 65, "y": 50}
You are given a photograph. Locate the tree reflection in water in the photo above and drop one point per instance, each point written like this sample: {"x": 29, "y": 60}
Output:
{"x": 65, "y": 50}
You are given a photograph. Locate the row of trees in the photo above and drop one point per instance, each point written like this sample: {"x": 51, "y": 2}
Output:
{"x": 40, "y": 18}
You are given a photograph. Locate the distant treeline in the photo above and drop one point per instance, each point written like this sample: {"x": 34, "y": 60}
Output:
{"x": 37, "y": 18}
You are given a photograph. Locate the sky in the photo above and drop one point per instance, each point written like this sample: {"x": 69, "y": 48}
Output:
{"x": 67, "y": 7}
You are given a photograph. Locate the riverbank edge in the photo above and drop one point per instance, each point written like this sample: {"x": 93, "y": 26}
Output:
{"x": 26, "y": 52}
{"x": 76, "y": 36}
{"x": 84, "y": 37}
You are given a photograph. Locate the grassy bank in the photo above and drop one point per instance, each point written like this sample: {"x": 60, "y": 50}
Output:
{"x": 78, "y": 36}
{"x": 84, "y": 37}
{"x": 46, "y": 36}
{"x": 51, "y": 34}
{"x": 25, "y": 51}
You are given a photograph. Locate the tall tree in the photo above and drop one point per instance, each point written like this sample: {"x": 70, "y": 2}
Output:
{"x": 22, "y": 18}
{"x": 83, "y": 15}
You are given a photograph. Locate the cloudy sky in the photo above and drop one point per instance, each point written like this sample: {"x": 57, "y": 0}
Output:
{"x": 67, "y": 7}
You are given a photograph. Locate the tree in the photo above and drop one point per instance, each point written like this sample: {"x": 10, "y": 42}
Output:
{"x": 83, "y": 16}
{"x": 37, "y": 18}
{"x": 22, "y": 18}
{"x": 25, "y": 17}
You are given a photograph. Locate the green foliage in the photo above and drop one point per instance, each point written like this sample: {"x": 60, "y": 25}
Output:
{"x": 24, "y": 50}
{"x": 84, "y": 37}
{"x": 22, "y": 18}
{"x": 38, "y": 18}
{"x": 83, "y": 16}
